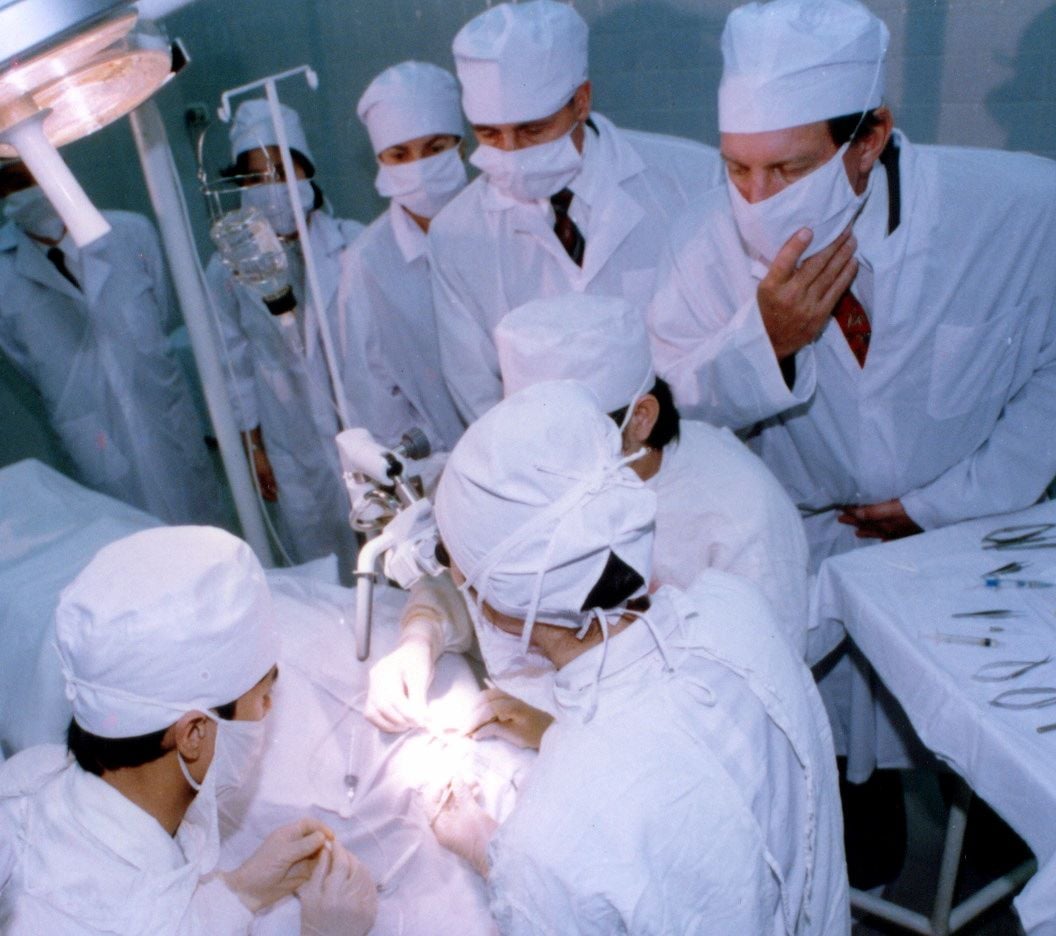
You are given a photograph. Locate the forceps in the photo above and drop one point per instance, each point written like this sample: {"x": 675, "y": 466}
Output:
{"x": 1020, "y": 536}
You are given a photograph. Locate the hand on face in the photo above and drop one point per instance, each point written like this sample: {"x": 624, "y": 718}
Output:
{"x": 795, "y": 301}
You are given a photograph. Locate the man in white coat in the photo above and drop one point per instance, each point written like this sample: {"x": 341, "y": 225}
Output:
{"x": 688, "y": 783}
{"x": 414, "y": 119}
{"x": 878, "y": 315}
{"x": 278, "y": 378}
{"x": 937, "y": 404}
{"x": 88, "y": 328}
{"x": 567, "y": 201}
{"x": 167, "y": 645}
{"x": 718, "y": 506}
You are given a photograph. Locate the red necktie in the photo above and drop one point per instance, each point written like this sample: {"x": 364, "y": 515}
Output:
{"x": 854, "y": 324}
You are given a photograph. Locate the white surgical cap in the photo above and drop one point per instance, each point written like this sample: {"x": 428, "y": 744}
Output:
{"x": 520, "y": 62}
{"x": 252, "y": 129}
{"x": 793, "y": 62}
{"x": 533, "y": 499}
{"x": 598, "y": 340}
{"x": 160, "y": 623}
{"x": 407, "y": 101}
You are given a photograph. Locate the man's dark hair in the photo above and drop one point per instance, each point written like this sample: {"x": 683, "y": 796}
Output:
{"x": 95, "y": 754}
{"x": 617, "y": 582}
{"x": 666, "y": 428}
{"x": 841, "y": 128}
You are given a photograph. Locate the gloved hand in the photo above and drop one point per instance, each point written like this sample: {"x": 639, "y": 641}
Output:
{"x": 282, "y": 863}
{"x": 340, "y": 898}
{"x": 460, "y": 823}
{"x": 498, "y": 715}
{"x": 400, "y": 680}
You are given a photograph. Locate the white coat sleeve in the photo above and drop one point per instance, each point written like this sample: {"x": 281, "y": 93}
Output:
{"x": 709, "y": 342}
{"x": 467, "y": 351}
{"x": 216, "y": 910}
{"x": 1012, "y": 468}
{"x": 436, "y": 607}
{"x": 235, "y": 352}
{"x": 372, "y": 384}
{"x": 527, "y": 898}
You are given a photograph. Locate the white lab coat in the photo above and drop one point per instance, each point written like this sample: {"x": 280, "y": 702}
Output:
{"x": 719, "y": 507}
{"x": 389, "y": 330}
{"x": 492, "y": 254}
{"x": 954, "y": 409}
{"x": 287, "y": 392}
{"x": 700, "y": 798}
{"x": 99, "y": 357}
{"x": 89, "y": 862}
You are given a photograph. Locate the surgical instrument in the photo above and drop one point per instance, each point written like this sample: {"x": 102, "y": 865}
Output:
{"x": 998, "y": 582}
{"x": 1009, "y": 699}
{"x": 996, "y": 613}
{"x": 1001, "y": 670}
{"x": 964, "y": 639}
{"x": 1007, "y": 569}
{"x": 1020, "y": 536}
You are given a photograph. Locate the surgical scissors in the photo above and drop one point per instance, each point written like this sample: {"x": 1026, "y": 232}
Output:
{"x": 1002, "y": 670}
{"x": 1011, "y": 698}
{"x": 1021, "y": 536}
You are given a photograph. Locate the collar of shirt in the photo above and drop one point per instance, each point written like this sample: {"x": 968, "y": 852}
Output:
{"x": 120, "y": 824}
{"x": 576, "y": 679}
{"x": 410, "y": 238}
{"x": 586, "y": 184}
{"x": 870, "y": 229}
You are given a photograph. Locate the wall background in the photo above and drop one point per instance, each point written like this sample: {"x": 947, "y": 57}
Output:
{"x": 964, "y": 72}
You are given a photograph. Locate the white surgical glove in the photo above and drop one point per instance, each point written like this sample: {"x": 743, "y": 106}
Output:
{"x": 282, "y": 863}
{"x": 498, "y": 715}
{"x": 340, "y": 898}
{"x": 460, "y": 823}
{"x": 400, "y": 680}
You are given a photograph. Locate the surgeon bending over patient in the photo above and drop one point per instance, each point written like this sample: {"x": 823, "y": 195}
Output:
{"x": 718, "y": 506}
{"x": 688, "y": 782}
{"x": 168, "y": 650}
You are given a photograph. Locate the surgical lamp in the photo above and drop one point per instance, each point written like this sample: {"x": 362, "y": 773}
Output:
{"x": 386, "y": 503}
{"x": 67, "y": 69}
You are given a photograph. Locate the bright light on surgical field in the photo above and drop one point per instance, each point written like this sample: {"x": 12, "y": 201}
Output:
{"x": 67, "y": 69}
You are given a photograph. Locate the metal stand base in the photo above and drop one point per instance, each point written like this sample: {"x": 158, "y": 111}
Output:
{"x": 946, "y": 918}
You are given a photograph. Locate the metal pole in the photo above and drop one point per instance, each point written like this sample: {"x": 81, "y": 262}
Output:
{"x": 166, "y": 196}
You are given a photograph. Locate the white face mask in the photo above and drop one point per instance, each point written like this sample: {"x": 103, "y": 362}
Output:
{"x": 236, "y": 752}
{"x": 31, "y": 211}
{"x": 822, "y": 201}
{"x": 534, "y": 172}
{"x": 425, "y": 185}
{"x": 502, "y": 653}
{"x": 272, "y": 200}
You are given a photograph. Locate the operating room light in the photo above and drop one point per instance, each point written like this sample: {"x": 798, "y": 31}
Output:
{"x": 67, "y": 69}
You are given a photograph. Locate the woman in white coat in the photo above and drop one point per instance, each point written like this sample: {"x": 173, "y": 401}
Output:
{"x": 278, "y": 379}
{"x": 88, "y": 328}
{"x": 412, "y": 113}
